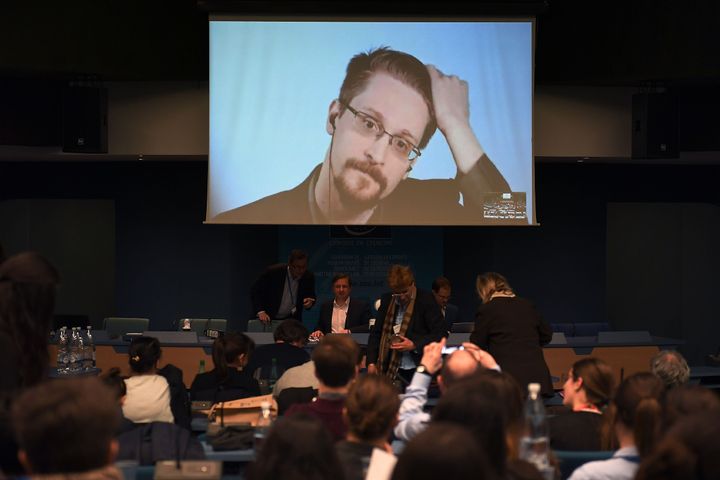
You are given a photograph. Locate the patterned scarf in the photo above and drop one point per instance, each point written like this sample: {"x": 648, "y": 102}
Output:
{"x": 385, "y": 351}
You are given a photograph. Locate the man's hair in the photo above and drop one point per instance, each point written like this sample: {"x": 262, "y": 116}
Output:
{"x": 340, "y": 276}
{"x": 297, "y": 255}
{"x": 492, "y": 282}
{"x": 671, "y": 367}
{"x": 399, "y": 277}
{"x": 66, "y": 426}
{"x": 440, "y": 282}
{"x": 401, "y": 66}
{"x": 460, "y": 364}
{"x": 291, "y": 331}
{"x": 335, "y": 359}
{"x": 371, "y": 407}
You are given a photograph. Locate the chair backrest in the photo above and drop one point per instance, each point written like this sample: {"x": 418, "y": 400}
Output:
{"x": 590, "y": 329}
{"x": 256, "y": 325}
{"x": 199, "y": 325}
{"x": 570, "y": 460}
{"x": 462, "y": 327}
{"x": 119, "y": 326}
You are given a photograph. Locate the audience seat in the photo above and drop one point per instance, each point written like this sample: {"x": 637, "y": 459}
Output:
{"x": 590, "y": 329}
{"x": 570, "y": 460}
{"x": 119, "y": 326}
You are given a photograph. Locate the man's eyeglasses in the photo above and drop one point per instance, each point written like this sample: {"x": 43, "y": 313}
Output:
{"x": 366, "y": 125}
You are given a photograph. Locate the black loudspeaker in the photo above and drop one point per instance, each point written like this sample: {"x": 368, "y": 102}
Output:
{"x": 655, "y": 125}
{"x": 84, "y": 119}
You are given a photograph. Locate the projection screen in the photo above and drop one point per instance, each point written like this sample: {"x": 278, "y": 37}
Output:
{"x": 334, "y": 122}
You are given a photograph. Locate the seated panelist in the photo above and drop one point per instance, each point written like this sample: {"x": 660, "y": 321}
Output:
{"x": 342, "y": 314}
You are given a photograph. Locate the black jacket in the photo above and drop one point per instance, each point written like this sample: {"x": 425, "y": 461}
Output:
{"x": 267, "y": 291}
{"x": 357, "y": 320}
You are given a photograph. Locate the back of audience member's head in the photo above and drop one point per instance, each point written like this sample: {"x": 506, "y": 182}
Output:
{"x": 371, "y": 408}
{"x": 512, "y": 406}
{"x": 457, "y": 365}
{"x": 291, "y": 331}
{"x": 66, "y": 426}
{"x": 144, "y": 353}
{"x": 114, "y": 380}
{"x": 443, "y": 451}
{"x": 27, "y": 301}
{"x": 671, "y": 367}
{"x": 477, "y": 405}
{"x": 686, "y": 401}
{"x": 637, "y": 407}
{"x": 232, "y": 348}
{"x": 598, "y": 381}
{"x": 336, "y": 358}
{"x": 297, "y": 448}
{"x": 689, "y": 451}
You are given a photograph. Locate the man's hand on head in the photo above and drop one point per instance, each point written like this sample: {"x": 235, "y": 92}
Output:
{"x": 452, "y": 112}
{"x": 483, "y": 357}
{"x": 432, "y": 356}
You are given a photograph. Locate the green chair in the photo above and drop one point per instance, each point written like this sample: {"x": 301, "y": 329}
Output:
{"x": 119, "y": 326}
{"x": 255, "y": 325}
{"x": 199, "y": 325}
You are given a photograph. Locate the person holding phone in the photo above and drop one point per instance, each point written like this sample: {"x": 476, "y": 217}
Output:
{"x": 408, "y": 319}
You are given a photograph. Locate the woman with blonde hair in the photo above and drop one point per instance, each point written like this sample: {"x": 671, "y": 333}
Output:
{"x": 511, "y": 330}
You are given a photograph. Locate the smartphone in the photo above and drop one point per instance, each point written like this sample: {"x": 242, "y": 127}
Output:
{"x": 448, "y": 350}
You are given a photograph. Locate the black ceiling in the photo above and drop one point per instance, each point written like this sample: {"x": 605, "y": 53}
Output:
{"x": 578, "y": 42}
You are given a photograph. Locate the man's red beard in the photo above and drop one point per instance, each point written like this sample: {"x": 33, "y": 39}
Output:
{"x": 352, "y": 196}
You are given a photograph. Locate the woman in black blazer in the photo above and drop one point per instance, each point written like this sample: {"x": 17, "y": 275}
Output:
{"x": 228, "y": 380}
{"x": 513, "y": 332}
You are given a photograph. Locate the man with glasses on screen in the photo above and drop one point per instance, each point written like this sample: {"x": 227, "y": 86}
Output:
{"x": 389, "y": 107}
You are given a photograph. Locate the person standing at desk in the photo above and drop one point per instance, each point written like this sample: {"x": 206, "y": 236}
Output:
{"x": 343, "y": 314}
{"x": 512, "y": 331}
{"x": 441, "y": 289}
{"x": 284, "y": 290}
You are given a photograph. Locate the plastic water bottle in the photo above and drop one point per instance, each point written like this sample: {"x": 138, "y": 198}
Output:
{"x": 535, "y": 445}
{"x": 262, "y": 426}
{"x": 74, "y": 362}
{"x": 89, "y": 355}
{"x": 62, "y": 352}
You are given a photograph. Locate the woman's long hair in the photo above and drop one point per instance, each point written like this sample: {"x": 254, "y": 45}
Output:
{"x": 27, "y": 302}
{"x": 491, "y": 282}
{"x": 598, "y": 381}
{"x": 144, "y": 354}
{"x": 227, "y": 349}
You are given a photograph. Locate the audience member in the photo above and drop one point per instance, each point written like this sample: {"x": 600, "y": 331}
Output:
{"x": 114, "y": 380}
{"x": 288, "y": 350}
{"x": 671, "y": 367}
{"x": 343, "y": 314}
{"x": 302, "y": 376}
{"x": 297, "y": 448}
{"x": 371, "y": 410}
{"x": 154, "y": 395}
{"x": 27, "y": 301}
{"x": 336, "y": 360}
{"x": 587, "y": 390}
{"x": 443, "y": 451}
{"x": 67, "y": 427}
{"x": 635, "y": 416}
{"x": 461, "y": 363}
{"x": 512, "y": 331}
{"x": 407, "y": 320}
{"x": 688, "y": 400}
{"x": 441, "y": 289}
{"x": 689, "y": 451}
{"x": 229, "y": 380}
{"x": 284, "y": 290}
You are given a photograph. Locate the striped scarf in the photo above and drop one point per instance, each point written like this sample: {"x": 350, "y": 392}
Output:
{"x": 390, "y": 368}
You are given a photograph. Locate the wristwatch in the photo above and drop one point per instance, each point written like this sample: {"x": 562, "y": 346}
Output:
{"x": 423, "y": 369}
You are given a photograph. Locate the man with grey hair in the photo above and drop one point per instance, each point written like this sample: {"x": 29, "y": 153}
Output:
{"x": 670, "y": 366}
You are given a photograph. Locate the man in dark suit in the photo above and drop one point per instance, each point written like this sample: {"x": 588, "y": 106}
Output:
{"x": 284, "y": 290}
{"x": 408, "y": 319}
{"x": 343, "y": 314}
{"x": 441, "y": 289}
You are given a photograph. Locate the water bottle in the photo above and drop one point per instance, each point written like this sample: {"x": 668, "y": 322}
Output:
{"x": 62, "y": 352}
{"x": 90, "y": 358}
{"x": 535, "y": 445}
{"x": 262, "y": 426}
{"x": 201, "y": 367}
{"x": 74, "y": 352}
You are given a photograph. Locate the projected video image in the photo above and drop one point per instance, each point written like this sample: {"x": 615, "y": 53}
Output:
{"x": 378, "y": 123}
